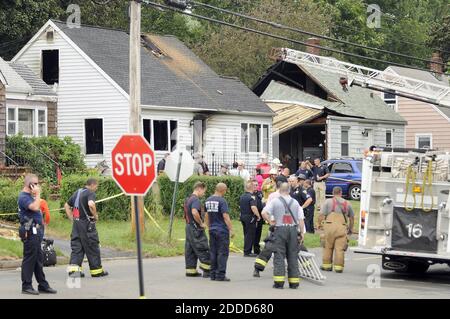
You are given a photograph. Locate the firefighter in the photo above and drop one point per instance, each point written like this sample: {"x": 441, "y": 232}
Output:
{"x": 196, "y": 244}
{"x": 80, "y": 208}
{"x": 337, "y": 218}
{"x": 286, "y": 215}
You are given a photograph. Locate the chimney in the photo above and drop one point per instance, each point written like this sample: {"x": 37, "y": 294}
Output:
{"x": 434, "y": 67}
{"x": 313, "y": 50}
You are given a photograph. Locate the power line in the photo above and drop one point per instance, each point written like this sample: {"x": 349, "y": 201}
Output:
{"x": 154, "y": 4}
{"x": 284, "y": 27}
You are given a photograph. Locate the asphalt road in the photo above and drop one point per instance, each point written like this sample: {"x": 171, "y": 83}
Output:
{"x": 164, "y": 278}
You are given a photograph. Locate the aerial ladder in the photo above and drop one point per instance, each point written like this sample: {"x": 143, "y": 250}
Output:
{"x": 384, "y": 81}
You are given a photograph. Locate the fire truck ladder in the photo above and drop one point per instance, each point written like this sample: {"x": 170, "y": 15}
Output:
{"x": 384, "y": 81}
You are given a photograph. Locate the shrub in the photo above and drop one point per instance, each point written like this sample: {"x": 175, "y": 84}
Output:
{"x": 9, "y": 191}
{"x": 235, "y": 190}
{"x": 117, "y": 208}
{"x": 63, "y": 151}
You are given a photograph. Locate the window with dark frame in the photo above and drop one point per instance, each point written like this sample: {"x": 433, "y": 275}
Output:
{"x": 388, "y": 138}
{"x": 344, "y": 141}
{"x": 390, "y": 99}
{"x": 93, "y": 136}
{"x": 50, "y": 66}
{"x": 161, "y": 134}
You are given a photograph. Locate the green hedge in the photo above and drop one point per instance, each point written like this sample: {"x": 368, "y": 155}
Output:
{"x": 117, "y": 208}
{"x": 235, "y": 190}
{"x": 9, "y": 192}
{"x": 63, "y": 151}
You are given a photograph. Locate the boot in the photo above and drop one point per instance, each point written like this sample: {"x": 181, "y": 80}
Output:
{"x": 256, "y": 273}
{"x": 278, "y": 285}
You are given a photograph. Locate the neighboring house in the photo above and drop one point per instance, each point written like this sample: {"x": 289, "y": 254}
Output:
{"x": 317, "y": 117}
{"x": 428, "y": 124}
{"x": 185, "y": 104}
{"x": 27, "y": 104}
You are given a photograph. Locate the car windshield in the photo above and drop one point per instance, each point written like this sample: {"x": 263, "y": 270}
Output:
{"x": 359, "y": 164}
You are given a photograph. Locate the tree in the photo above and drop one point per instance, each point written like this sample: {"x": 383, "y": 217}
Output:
{"x": 237, "y": 53}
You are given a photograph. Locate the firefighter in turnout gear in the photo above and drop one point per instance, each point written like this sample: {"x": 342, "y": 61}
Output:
{"x": 81, "y": 209}
{"x": 287, "y": 216}
{"x": 337, "y": 218}
{"x": 196, "y": 244}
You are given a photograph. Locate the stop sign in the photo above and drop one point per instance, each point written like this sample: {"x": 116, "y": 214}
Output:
{"x": 133, "y": 164}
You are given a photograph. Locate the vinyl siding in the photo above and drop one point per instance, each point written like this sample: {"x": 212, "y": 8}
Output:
{"x": 358, "y": 142}
{"x": 424, "y": 118}
{"x": 83, "y": 92}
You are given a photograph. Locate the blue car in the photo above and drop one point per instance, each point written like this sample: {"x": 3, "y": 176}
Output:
{"x": 345, "y": 173}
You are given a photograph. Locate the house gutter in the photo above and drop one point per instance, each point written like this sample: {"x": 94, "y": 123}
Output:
{"x": 354, "y": 119}
{"x": 193, "y": 109}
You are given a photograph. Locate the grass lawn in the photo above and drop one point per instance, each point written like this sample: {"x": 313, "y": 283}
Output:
{"x": 10, "y": 248}
{"x": 117, "y": 234}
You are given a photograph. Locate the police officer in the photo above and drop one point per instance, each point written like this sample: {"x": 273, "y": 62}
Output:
{"x": 337, "y": 218}
{"x": 220, "y": 231}
{"x": 320, "y": 175}
{"x": 196, "y": 244}
{"x": 308, "y": 202}
{"x": 296, "y": 187}
{"x": 249, "y": 218}
{"x": 81, "y": 209}
{"x": 31, "y": 232}
{"x": 259, "y": 225}
{"x": 287, "y": 216}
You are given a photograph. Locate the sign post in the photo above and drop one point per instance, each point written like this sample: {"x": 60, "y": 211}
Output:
{"x": 134, "y": 170}
{"x": 179, "y": 167}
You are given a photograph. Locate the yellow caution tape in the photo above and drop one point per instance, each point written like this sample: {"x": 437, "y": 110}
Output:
{"x": 154, "y": 221}
{"x": 9, "y": 214}
{"x": 234, "y": 248}
{"x": 97, "y": 201}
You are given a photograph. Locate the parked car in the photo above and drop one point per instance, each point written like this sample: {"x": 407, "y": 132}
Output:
{"x": 345, "y": 173}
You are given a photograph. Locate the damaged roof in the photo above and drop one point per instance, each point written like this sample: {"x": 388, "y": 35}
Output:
{"x": 172, "y": 75}
{"x": 19, "y": 78}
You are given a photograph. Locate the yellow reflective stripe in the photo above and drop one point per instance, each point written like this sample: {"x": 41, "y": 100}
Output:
{"x": 191, "y": 270}
{"x": 327, "y": 266}
{"x": 96, "y": 271}
{"x": 294, "y": 280}
{"x": 261, "y": 262}
{"x": 278, "y": 278}
{"x": 205, "y": 266}
{"x": 337, "y": 267}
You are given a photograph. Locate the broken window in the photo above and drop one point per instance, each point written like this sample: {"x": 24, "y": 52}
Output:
{"x": 161, "y": 134}
{"x": 50, "y": 66}
{"x": 93, "y": 136}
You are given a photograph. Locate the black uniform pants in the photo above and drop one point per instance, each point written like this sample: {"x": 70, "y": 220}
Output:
{"x": 219, "y": 243}
{"x": 32, "y": 262}
{"x": 249, "y": 227}
{"x": 264, "y": 256}
{"x": 258, "y": 233}
{"x": 84, "y": 240}
{"x": 309, "y": 219}
{"x": 286, "y": 248}
{"x": 196, "y": 248}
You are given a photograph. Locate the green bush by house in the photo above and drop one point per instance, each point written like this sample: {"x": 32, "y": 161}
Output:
{"x": 9, "y": 192}
{"x": 31, "y": 149}
{"x": 235, "y": 190}
{"x": 117, "y": 208}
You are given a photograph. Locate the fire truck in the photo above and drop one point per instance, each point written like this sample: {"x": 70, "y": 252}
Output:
{"x": 405, "y": 202}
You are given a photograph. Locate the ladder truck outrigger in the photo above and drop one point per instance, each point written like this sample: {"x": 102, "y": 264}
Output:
{"x": 405, "y": 200}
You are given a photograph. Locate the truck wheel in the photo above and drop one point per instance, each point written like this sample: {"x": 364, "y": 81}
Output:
{"x": 415, "y": 267}
{"x": 355, "y": 192}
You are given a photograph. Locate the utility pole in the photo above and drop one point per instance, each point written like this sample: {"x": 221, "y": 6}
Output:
{"x": 135, "y": 95}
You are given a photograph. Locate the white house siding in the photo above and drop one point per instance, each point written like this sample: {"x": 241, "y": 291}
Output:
{"x": 184, "y": 129}
{"x": 358, "y": 142}
{"x": 83, "y": 92}
{"x": 223, "y": 136}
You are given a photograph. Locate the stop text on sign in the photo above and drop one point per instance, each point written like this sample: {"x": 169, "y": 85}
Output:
{"x": 132, "y": 164}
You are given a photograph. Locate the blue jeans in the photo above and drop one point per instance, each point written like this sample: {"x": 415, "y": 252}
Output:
{"x": 219, "y": 247}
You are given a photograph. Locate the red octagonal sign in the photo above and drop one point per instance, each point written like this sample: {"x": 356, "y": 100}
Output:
{"x": 133, "y": 164}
